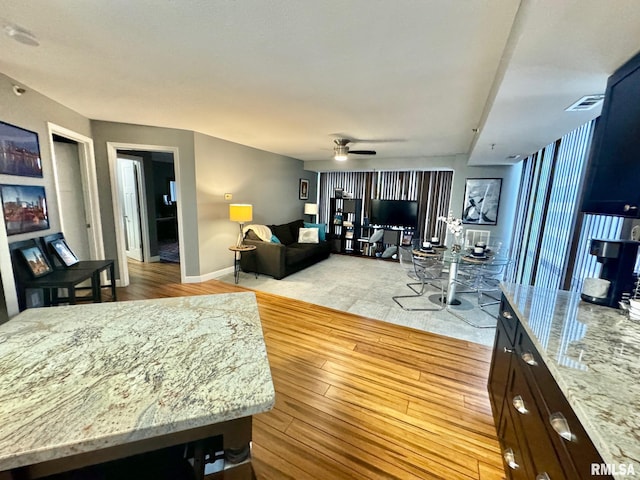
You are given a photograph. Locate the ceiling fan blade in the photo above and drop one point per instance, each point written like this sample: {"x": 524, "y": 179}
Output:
{"x": 363, "y": 152}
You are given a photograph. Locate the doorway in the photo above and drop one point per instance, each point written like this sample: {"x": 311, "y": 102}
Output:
{"x": 138, "y": 203}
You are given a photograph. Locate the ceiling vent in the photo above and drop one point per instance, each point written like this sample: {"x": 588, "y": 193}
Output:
{"x": 587, "y": 102}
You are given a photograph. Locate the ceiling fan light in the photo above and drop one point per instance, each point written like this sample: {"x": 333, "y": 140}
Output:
{"x": 340, "y": 152}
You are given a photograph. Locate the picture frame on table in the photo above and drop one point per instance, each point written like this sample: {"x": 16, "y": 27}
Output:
{"x": 19, "y": 151}
{"x": 24, "y": 208}
{"x": 36, "y": 261}
{"x": 304, "y": 189}
{"x": 481, "y": 201}
{"x": 63, "y": 252}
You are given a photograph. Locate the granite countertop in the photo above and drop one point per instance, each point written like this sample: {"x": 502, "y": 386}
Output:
{"x": 79, "y": 378}
{"x": 593, "y": 353}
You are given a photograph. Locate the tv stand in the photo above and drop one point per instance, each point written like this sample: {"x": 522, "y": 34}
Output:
{"x": 393, "y": 236}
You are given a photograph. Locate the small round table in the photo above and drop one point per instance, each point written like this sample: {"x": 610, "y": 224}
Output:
{"x": 237, "y": 252}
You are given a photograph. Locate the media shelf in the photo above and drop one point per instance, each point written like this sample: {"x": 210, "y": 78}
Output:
{"x": 345, "y": 224}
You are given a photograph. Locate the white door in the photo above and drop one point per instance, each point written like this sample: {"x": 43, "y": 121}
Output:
{"x": 71, "y": 197}
{"x": 129, "y": 173}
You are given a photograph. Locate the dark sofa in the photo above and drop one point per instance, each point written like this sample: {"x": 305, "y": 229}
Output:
{"x": 281, "y": 259}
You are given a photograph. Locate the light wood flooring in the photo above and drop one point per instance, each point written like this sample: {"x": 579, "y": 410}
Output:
{"x": 358, "y": 398}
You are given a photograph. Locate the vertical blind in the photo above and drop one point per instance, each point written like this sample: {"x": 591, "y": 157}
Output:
{"x": 431, "y": 189}
{"x": 549, "y": 230}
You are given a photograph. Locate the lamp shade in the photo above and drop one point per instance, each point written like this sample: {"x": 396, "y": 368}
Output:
{"x": 310, "y": 208}
{"x": 240, "y": 212}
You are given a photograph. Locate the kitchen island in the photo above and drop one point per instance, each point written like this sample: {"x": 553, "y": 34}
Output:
{"x": 567, "y": 361}
{"x": 85, "y": 384}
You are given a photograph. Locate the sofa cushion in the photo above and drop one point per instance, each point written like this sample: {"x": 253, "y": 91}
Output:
{"x": 283, "y": 232}
{"x": 251, "y": 235}
{"x": 322, "y": 235}
{"x": 308, "y": 235}
{"x": 298, "y": 253}
{"x": 295, "y": 227}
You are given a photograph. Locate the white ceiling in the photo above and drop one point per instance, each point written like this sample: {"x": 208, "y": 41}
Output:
{"x": 410, "y": 78}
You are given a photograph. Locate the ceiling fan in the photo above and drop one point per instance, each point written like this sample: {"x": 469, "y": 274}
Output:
{"x": 341, "y": 150}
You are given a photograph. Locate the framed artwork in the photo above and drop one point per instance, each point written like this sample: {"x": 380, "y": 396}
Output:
{"x": 36, "y": 261}
{"x": 25, "y": 208}
{"x": 304, "y": 189}
{"x": 19, "y": 152}
{"x": 481, "y": 201}
{"x": 63, "y": 252}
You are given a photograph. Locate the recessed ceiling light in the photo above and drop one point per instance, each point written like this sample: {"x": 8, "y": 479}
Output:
{"x": 586, "y": 103}
{"x": 21, "y": 35}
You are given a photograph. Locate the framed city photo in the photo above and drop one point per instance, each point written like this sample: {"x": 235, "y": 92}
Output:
{"x": 36, "y": 261}
{"x": 63, "y": 252}
{"x": 19, "y": 152}
{"x": 25, "y": 208}
{"x": 304, "y": 189}
{"x": 481, "y": 201}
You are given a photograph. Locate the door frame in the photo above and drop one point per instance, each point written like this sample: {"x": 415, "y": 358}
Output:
{"x": 112, "y": 154}
{"x": 141, "y": 202}
{"x": 89, "y": 178}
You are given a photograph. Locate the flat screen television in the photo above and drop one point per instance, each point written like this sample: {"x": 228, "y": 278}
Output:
{"x": 395, "y": 213}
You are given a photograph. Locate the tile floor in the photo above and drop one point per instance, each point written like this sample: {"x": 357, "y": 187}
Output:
{"x": 365, "y": 286}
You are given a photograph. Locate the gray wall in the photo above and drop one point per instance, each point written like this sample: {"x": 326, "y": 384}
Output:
{"x": 32, "y": 111}
{"x": 125, "y": 133}
{"x": 266, "y": 180}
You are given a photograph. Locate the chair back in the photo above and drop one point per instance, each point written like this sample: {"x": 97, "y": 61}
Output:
{"x": 428, "y": 267}
{"x": 474, "y": 236}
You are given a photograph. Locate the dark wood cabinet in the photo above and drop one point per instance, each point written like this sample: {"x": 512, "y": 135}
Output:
{"x": 613, "y": 174}
{"x": 538, "y": 431}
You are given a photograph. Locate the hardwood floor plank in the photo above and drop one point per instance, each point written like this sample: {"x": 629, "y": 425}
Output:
{"x": 357, "y": 398}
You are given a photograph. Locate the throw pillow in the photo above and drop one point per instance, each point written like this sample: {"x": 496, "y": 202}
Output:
{"x": 322, "y": 234}
{"x": 274, "y": 239}
{"x": 283, "y": 233}
{"x": 308, "y": 235}
{"x": 390, "y": 252}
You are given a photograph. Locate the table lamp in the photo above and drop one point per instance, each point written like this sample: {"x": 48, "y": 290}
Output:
{"x": 311, "y": 209}
{"x": 241, "y": 213}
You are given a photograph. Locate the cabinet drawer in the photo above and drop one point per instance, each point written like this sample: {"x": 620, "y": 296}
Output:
{"x": 530, "y": 428}
{"x": 509, "y": 319}
{"x": 572, "y": 444}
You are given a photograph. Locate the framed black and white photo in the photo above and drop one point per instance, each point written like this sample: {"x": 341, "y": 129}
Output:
{"x": 481, "y": 201}
{"x": 19, "y": 152}
{"x": 63, "y": 252}
{"x": 25, "y": 208}
{"x": 36, "y": 261}
{"x": 304, "y": 189}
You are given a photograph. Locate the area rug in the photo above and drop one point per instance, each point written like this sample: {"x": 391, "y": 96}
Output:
{"x": 169, "y": 252}
{"x": 364, "y": 286}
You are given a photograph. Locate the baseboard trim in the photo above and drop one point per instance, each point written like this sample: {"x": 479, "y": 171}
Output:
{"x": 209, "y": 276}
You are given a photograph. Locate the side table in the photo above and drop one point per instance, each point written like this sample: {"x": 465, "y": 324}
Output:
{"x": 237, "y": 252}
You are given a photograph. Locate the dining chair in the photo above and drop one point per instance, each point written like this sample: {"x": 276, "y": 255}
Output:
{"x": 428, "y": 271}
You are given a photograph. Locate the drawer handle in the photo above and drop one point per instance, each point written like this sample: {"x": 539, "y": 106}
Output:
{"x": 529, "y": 359}
{"x": 507, "y": 315}
{"x": 561, "y": 426}
{"x": 510, "y": 459}
{"x": 518, "y": 404}
{"x": 628, "y": 207}
{"x": 507, "y": 350}
{"x": 543, "y": 476}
